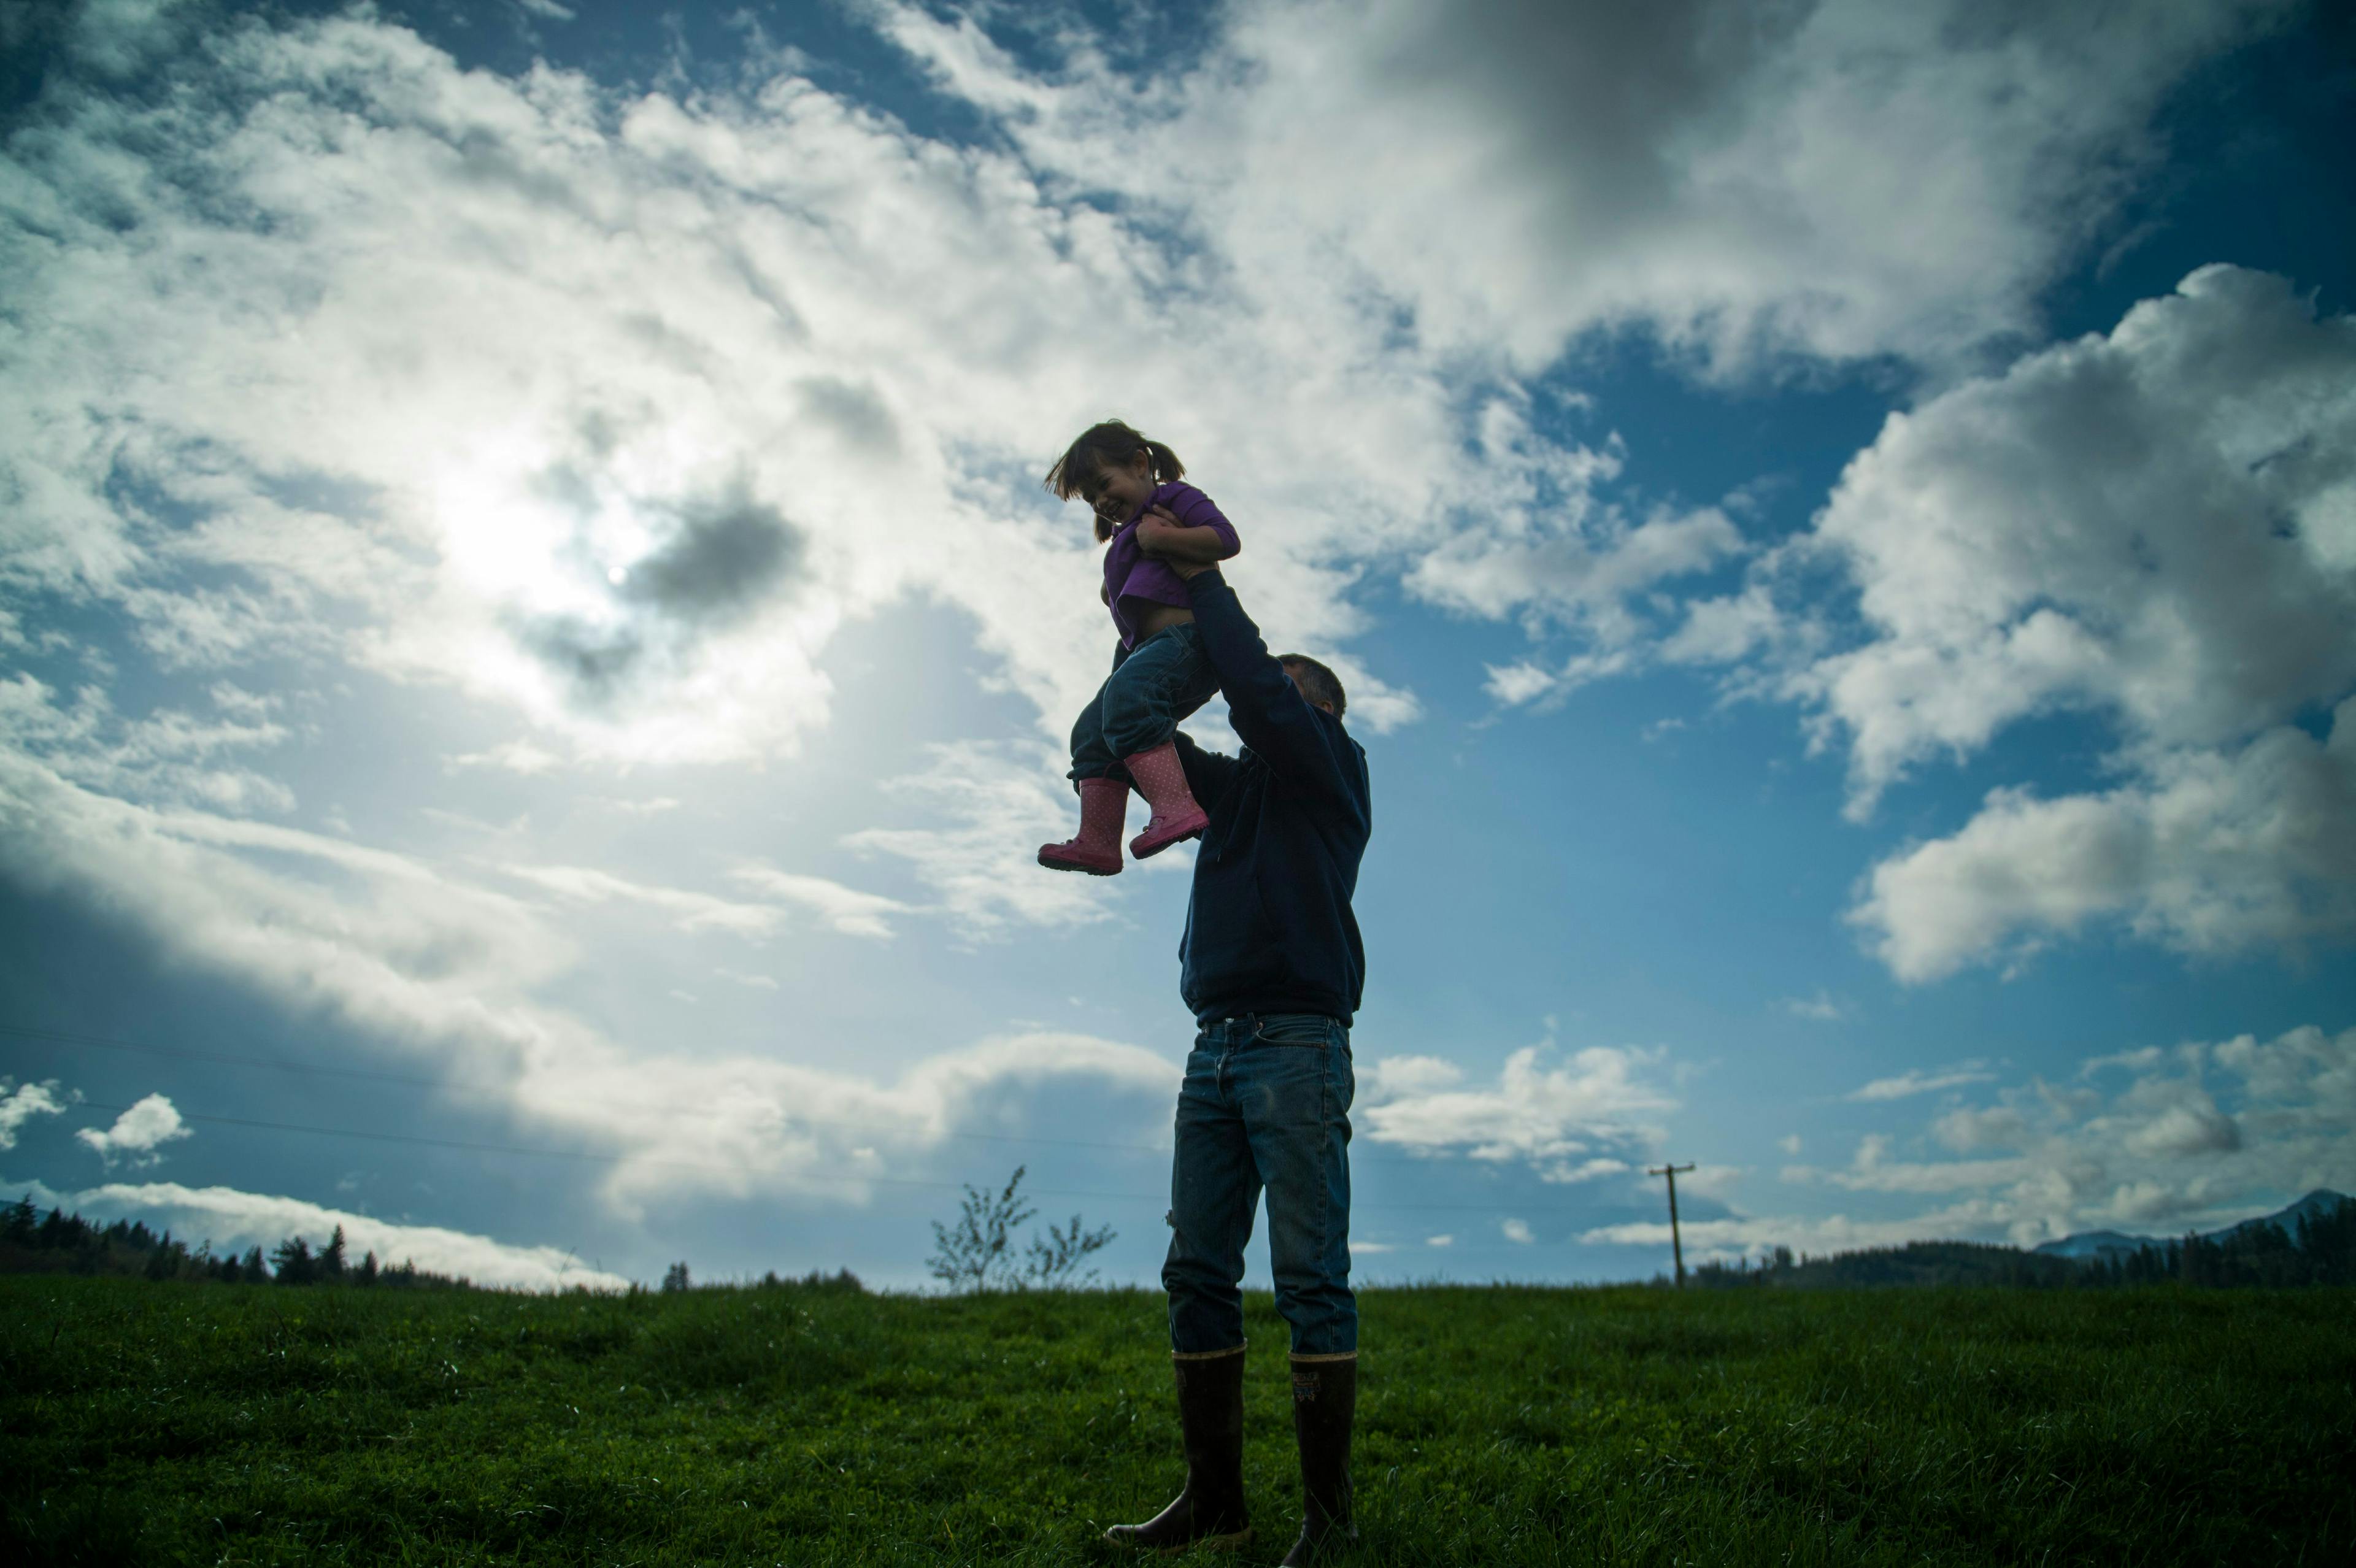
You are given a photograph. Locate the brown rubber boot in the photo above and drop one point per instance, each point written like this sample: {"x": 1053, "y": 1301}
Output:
{"x": 1210, "y": 1511}
{"x": 1325, "y": 1403}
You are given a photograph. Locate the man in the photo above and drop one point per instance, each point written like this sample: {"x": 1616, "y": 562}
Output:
{"x": 1272, "y": 968}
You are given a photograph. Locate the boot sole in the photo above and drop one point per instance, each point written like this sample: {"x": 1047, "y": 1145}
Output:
{"x": 1234, "y": 1541}
{"x": 1140, "y": 849}
{"x": 1081, "y": 867}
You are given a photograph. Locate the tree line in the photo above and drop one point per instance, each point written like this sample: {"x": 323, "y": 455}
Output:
{"x": 60, "y": 1242}
{"x": 977, "y": 1253}
{"x": 2319, "y": 1248}
{"x": 68, "y": 1243}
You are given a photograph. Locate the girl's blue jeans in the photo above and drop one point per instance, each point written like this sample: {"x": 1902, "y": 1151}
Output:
{"x": 1153, "y": 685}
{"x": 1265, "y": 1103}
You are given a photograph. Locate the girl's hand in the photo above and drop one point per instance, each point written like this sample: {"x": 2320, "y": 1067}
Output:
{"x": 1153, "y": 532}
{"x": 1162, "y": 538}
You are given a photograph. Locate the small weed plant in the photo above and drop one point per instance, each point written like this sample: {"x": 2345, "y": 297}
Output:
{"x": 977, "y": 1253}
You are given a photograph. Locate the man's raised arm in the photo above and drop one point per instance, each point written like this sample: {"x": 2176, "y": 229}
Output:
{"x": 1266, "y": 708}
{"x": 1208, "y": 773}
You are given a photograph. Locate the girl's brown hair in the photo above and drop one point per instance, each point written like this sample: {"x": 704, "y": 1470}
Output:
{"x": 1109, "y": 446}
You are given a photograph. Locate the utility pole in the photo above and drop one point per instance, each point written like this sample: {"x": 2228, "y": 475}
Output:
{"x": 1676, "y": 1243}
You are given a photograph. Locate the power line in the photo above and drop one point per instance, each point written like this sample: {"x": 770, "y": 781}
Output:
{"x": 182, "y": 1053}
{"x": 591, "y": 1156}
{"x": 64, "y": 1037}
{"x": 600, "y": 1157}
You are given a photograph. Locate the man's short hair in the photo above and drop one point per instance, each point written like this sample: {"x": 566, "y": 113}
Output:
{"x": 1317, "y": 683}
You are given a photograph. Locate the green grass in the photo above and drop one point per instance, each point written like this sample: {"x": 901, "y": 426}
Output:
{"x": 211, "y": 1424}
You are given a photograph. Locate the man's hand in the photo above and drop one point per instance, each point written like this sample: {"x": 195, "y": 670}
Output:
{"x": 1184, "y": 550}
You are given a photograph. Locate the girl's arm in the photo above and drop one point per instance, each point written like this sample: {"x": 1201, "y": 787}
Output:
{"x": 1196, "y": 534}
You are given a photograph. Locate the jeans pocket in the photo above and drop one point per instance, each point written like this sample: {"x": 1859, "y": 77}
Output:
{"x": 1296, "y": 1029}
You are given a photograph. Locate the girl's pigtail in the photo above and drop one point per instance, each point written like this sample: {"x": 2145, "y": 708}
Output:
{"x": 1167, "y": 466}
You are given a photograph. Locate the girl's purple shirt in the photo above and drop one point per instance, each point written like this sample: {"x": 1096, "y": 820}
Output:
{"x": 1129, "y": 573}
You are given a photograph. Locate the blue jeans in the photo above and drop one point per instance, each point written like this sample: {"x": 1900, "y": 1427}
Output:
{"x": 1266, "y": 1103}
{"x": 1152, "y": 688}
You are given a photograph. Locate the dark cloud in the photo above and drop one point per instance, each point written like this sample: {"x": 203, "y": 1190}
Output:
{"x": 597, "y": 659}
{"x": 1586, "y": 101}
{"x": 853, "y": 412}
{"x": 724, "y": 557}
{"x": 730, "y": 554}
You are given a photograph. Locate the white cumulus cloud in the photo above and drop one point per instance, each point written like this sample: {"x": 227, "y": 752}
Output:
{"x": 2189, "y": 1137}
{"x": 2159, "y": 524}
{"x": 1844, "y": 178}
{"x": 2153, "y": 528}
{"x": 21, "y": 1104}
{"x": 2209, "y": 852}
{"x": 1571, "y": 1121}
{"x": 234, "y": 1220}
{"x": 138, "y": 1133}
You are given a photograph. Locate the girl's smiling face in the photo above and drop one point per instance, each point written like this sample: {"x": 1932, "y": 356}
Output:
{"x": 1117, "y": 491}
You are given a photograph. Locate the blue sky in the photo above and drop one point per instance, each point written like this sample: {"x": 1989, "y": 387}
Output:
{"x": 535, "y": 653}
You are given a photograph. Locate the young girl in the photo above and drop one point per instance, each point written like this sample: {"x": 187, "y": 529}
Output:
{"x": 1159, "y": 673}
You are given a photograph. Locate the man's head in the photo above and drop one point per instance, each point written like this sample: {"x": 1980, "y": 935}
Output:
{"x": 1320, "y": 686}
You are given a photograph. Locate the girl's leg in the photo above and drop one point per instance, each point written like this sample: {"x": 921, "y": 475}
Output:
{"x": 1103, "y": 788}
{"x": 1165, "y": 678}
{"x": 1092, "y": 756}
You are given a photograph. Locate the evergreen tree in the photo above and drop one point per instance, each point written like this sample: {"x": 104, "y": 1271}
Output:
{"x": 294, "y": 1263}
{"x": 2327, "y": 1240}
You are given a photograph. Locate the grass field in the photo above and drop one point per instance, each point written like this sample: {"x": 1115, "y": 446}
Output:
{"x": 252, "y": 1423}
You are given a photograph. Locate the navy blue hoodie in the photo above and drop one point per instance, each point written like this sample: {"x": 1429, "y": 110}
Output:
{"x": 1268, "y": 928}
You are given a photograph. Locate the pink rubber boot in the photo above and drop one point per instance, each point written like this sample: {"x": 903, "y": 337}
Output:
{"x": 1104, "y": 811}
{"x": 1161, "y": 778}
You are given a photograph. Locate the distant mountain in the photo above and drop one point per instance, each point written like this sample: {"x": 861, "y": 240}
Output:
{"x": 2322, "y": 1201}
{"x": 2268, "y": 1252}
{"x": 2094, "y": 1244}
{"x": 2115, "y": 1243}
